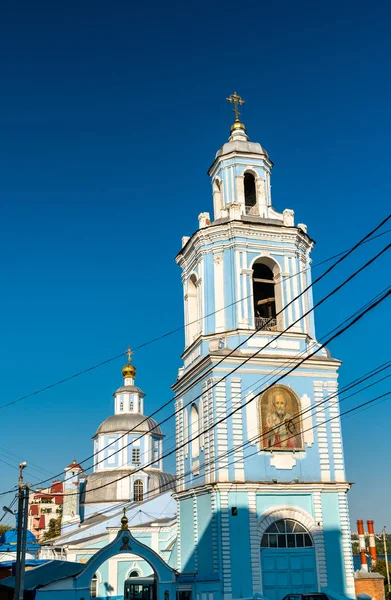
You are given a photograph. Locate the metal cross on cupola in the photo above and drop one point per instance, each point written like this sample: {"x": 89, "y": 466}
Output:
{"x": 237, "y": 101}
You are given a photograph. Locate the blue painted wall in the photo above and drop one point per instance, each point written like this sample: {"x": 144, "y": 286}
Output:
{"x": 205, "y": 541}
{"x": 187, "y": 535}
{"x": 332, "y": 542}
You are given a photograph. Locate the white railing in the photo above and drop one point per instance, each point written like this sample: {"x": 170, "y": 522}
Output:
{"x": 266, "y": 323}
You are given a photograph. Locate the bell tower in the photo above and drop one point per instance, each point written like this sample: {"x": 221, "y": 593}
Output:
{"x": 274, "y": 462}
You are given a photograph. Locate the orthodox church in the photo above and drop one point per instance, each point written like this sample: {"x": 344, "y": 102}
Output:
{"x": 258, "y": 506}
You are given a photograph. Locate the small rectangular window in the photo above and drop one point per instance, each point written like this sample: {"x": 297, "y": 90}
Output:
{"x": 136, "y": 456}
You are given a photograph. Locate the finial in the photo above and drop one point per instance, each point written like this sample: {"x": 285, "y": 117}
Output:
{"x": 130, "y": 354}
{"x": 124, "y": 521}
{"x": 129, "y": 371}
{"x": 237, "y": 101}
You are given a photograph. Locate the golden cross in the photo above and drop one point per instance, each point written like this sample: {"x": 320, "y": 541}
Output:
{"x": 236, "y": 100}
{"x": 130, "y": 354}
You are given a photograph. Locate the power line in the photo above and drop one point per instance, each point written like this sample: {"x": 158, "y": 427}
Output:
{"x": 345, "y": 282}
{"x": 370, "y": 237}
{"x": 368, "y": 263}
{"x": 377, "y": 370}
{"x": 348, "y": 386}
{"x": 178, "y": 447}
{"x": 365, "y": 238}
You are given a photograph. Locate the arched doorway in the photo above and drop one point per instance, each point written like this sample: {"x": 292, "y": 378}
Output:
{"x": 288, "y": 560}
{"x": 116, "y": 561}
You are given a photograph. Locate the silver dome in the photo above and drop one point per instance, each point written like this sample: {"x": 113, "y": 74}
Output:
{"x": 241, "y": 146}
{"x": 129, "y": 422}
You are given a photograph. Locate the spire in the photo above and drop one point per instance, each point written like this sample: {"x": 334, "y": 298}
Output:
{"x": 129, "y": 371}
{"x": 238, "y": 130}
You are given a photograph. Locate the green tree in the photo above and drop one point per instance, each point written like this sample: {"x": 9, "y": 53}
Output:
{"x": 4, "y": 528}
{"x": 381, "y": 568}
{"x": 54, "y": 528}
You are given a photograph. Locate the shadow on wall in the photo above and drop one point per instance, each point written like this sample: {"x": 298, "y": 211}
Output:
{"x": 289, "y": 556}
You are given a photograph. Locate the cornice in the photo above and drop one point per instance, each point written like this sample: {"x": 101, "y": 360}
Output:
{"x": 261, "y": 360}
{"x": 228, "y": 232}
{"x": 267, "y": 486}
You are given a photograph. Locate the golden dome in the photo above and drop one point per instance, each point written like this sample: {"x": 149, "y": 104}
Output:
{"x": 237, "y": 125}
{"x": 129, "y": 371}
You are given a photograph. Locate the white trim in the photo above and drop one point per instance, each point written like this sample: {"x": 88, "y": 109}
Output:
{"x": 302, "y": 517}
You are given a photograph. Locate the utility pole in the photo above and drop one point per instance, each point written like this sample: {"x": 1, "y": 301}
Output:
{"x": 22, "y": 533}
{"x": 386, "y": 558}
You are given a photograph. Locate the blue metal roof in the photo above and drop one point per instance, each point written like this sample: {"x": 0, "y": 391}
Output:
{"x": 52, "y": 570}
{"x": 9, "y": 538}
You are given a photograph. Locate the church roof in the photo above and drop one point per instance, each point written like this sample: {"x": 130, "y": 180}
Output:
{"x": 135, "y": 422}
{"x": 241, "y": 146}
{"x": 104, "y": 485}
{"x": 131, "y": 389}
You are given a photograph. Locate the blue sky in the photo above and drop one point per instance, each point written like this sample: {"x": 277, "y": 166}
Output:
{"x": 110, "y": 115}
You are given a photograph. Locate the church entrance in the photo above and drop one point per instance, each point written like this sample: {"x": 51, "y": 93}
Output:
{"x": 288, "y": 560}
{"x": 140, "y": 588}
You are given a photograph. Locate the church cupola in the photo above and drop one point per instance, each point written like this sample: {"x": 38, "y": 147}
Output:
{"x": 129, "y": 371}
{"x": 129, "y": 398}
{"x": 240, "y": 176}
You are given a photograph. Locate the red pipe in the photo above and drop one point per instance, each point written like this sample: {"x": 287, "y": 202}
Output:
{"x": 361, "y": 541}
{"x": 372, "y": 543}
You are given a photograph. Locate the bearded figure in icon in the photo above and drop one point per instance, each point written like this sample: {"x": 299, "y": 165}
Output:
{"x": 281, "y": 429}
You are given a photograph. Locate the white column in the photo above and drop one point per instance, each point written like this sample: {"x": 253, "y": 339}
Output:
{"x": 336, "y": 435}
{"x": 320, "y": 550}
{"x": 323, "y": 443}
{"x": 254, "y": 544}
{"x": 346, "y": 543}
{"x": 221, "y": 432}
{"x": 237, "y": 296}
{"x": 225, "y": 546}
{"x": 179, "y": 440}
{"x": 288, "y": 312}
{"x": 218, "y": 266}
{"x": 195, "y": 531}
{"x": 237, "y": 428}
{"x": 295, "y": 291}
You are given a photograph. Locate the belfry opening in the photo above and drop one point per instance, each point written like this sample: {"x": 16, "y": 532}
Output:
{"x": 250, "y": 196}
{"x": 264, "y": 297}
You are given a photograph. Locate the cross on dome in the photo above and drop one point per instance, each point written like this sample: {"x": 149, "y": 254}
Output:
{"x": 129, "y": 371}
{"x": 237, "y": 101}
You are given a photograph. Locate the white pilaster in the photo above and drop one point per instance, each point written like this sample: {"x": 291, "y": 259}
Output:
{"x": 254, "y": 544}
{"x": 336, "y": 436}
{"x": 218, "y": 265}
{"x": 221, "y": 432}
{"x": 195, "y": 531}
{"x": 237, "y": 428}
{"x": 225, "y": 546}
{"x": 346, "y": 544}
{"x": 324, "y": 456}
{"x": 320, "y": 550}
{"x": 179, "y": 440}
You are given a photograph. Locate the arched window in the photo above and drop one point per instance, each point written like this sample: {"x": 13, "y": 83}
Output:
{"x": 217, "y": 198}
{"x": 250, "y": 194}
{"x": 133, "y": 574}
{"x": 280, "y": 425}
{"x": 192, "y": 309}
{"x": 264, "y": 297}
{"x": 195, "y": 429}
{"x": 286, "y": 533}
{"x": 94, "y": 586}
{"x": 138, "y": 491}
